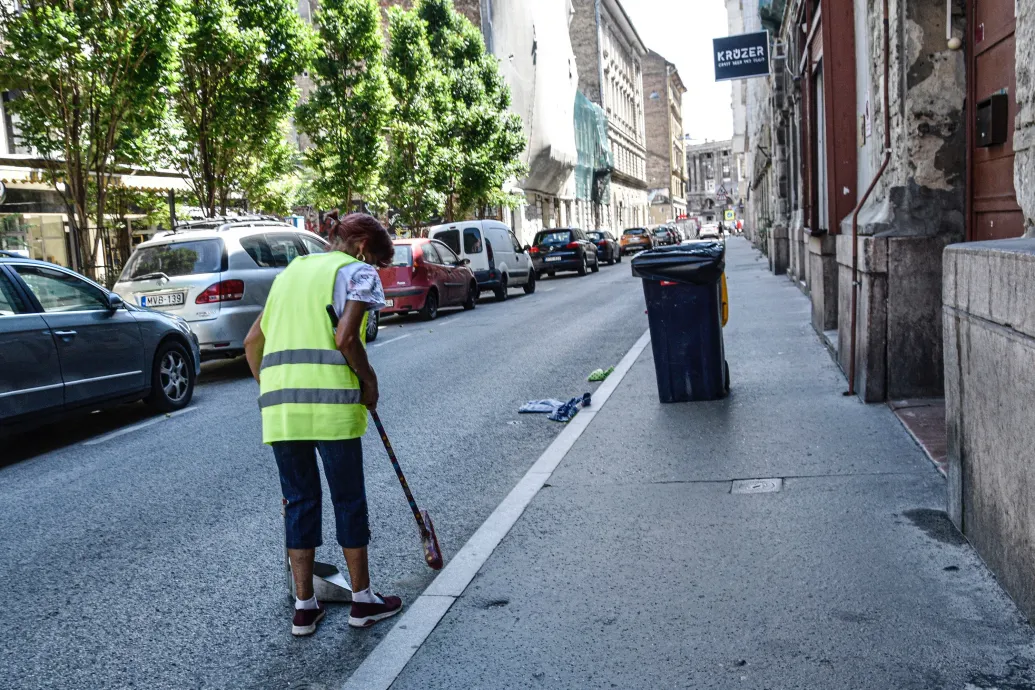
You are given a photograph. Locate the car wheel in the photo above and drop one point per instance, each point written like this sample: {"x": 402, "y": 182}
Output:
{"x": 584, "y": 268}
{"x": 596, "y": 264}
{"x": 429, "y": 312}
{"x": 530, "y": 285}
{"x": 172, "y": 378}
{"x": 611, "y": 257}
{"x": 618, "y": 259}
{"x": 373, "y": 324}
{"x": 472, "y": 297}
{"x": 501, "y": 291}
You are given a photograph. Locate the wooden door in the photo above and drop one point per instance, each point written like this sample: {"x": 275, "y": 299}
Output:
{"x": 992, "y": 208}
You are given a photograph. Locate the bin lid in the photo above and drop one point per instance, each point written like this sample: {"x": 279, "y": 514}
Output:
{"x": 699, "y": 262}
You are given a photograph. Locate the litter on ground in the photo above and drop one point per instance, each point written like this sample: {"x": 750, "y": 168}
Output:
{"x": 559, "y": 411}
{"x": 600, "y": 374}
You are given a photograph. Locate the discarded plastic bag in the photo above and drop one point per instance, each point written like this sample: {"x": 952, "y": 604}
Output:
{"x": 559, "y": 411}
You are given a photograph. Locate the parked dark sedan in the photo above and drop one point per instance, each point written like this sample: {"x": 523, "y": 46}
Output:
{"x": 563, "y": 249}
{"x": 607, "y": 246}
{"x": 68, "y": 344}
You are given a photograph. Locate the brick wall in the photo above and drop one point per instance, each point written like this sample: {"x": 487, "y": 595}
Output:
{"x": 658, "y": 119}
{"x": 583, "y": 31}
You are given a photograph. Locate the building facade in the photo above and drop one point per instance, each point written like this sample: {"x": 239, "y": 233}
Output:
{"x": 892, "y": 177}
{"x": 713, "y": 180}
{"x": 666, "y": 156}
{"x": 610, "y": 54}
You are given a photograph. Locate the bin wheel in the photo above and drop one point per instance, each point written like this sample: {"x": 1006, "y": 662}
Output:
{"x": 726, "y": 372}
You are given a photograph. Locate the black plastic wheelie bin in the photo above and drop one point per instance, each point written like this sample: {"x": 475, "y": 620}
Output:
{"x": 685, "y": 290}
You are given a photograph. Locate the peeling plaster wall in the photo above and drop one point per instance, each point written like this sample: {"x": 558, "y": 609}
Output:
{"x": 915, "y": 210}
{"x": 1024, "y": 136}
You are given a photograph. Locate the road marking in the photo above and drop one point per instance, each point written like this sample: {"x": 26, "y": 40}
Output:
{"x": 388, "y": 659}
{"x": 393, "y": 340}
{"x": 137, "y": 427}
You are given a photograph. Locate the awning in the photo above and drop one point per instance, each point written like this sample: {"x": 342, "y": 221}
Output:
{"x": 155, "y": 183}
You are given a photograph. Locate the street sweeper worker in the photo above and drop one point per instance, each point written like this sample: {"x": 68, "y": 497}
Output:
{"x": 314, "y": 399}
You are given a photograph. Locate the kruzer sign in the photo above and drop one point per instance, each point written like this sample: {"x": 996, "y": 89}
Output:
{"x": 743, "y": 56}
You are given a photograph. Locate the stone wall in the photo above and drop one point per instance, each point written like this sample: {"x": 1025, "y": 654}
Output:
{"x": 1024, "y": 136}
{"x": 916, "y": 209}
{"x": 989, "y": 342}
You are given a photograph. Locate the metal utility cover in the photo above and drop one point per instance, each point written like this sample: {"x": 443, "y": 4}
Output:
{"x": 756, "y": 486}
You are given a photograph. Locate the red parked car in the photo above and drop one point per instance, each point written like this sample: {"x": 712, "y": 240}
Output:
{"x": 425, "y": 276}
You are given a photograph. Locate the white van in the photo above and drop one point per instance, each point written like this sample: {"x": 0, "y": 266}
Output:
{"x": 497, "y": 258}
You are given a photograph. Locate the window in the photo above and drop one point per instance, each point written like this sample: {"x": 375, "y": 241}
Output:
{"x": 403, "y": 255}
{"x": 430, "y": 253}
{"x": 553, "y": 237}
{"x": 285, "y": 248}
{"x": 259, "y": 250}
{"x": 450, "y": 238}
{"x": 58, "y": 291}
{"x": 313, "y": 245}
{"x": 517, "y": 245}
{"x": 446, "y": 254}
{"x": 472, "y": 241}
{"x": 174, "y": 259}
{"x": 10, "y": 301}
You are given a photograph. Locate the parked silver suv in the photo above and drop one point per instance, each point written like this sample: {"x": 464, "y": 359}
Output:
{"x": 216, "y": 274}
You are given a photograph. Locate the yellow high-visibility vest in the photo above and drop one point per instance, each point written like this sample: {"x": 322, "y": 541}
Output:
{"x": 308, "y": 392}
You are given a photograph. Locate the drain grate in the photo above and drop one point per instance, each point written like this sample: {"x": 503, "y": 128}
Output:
{"x": 756, "y": 486}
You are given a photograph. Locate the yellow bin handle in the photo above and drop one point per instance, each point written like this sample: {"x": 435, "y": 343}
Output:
{"x": 725, "y": 302}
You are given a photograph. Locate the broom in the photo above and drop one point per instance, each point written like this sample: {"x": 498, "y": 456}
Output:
{"x": 432, "y": 552}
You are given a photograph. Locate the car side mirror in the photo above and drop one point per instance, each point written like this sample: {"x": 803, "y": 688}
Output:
{"x": 527, "y": 248}
{"x": 464, "y": 262}
{"x": 115, "y": 302}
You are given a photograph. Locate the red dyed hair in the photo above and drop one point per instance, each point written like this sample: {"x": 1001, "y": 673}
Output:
{"x": 360, "y": 226}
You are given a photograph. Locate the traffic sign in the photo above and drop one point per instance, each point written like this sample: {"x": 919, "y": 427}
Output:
{"x": 731, "y": 215}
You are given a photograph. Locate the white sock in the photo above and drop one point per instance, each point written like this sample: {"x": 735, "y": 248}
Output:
{"x": 303, "y": 604}
{"x": 366, "y": 597}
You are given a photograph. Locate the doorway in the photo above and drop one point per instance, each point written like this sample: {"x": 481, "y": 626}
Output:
{"x": 992, "y": 210}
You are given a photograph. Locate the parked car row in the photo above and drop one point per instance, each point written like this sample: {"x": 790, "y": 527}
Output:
{"x": 192, "y": 294}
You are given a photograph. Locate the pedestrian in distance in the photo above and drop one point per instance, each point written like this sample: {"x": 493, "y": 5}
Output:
{"x": 316, "y": 386}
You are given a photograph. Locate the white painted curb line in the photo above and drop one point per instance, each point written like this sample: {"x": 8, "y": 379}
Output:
{"x": 384, "y": 664}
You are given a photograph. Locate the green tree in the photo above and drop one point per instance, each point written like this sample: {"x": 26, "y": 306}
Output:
{"x": 481, "y": 139}
{"x": 91, "y": 78}
{"x": 346, "y": 115}
{"x": 415, "y": 155}
{"x": 237, "y": 72}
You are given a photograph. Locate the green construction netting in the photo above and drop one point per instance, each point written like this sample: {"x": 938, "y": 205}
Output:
{"x": 593, "y": 171}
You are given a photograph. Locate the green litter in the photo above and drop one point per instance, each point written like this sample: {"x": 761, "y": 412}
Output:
{"x": 600, "y": 375}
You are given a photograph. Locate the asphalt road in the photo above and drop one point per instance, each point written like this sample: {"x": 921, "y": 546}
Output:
{"x": 147, "y": 551}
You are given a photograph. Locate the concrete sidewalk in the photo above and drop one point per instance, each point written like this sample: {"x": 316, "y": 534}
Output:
{"x": 637, "y": 567}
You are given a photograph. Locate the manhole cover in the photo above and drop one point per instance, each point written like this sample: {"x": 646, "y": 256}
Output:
{"x": 756, "y": 486}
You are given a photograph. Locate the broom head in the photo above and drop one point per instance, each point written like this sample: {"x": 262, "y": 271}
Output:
{"x": 432, "y": 552}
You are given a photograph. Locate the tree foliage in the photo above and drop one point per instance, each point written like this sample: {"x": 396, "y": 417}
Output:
{"x": 415, "y": 157}
{"x": 481, "y": 140}
{"x": 346, "y": 115}
{"x": 237, "y": 71}
{"x": 90, "y": 78}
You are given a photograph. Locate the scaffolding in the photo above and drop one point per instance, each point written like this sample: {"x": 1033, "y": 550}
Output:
{"x": 595, "y": 162}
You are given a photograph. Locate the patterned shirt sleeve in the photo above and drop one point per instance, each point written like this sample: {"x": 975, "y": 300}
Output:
{"x": 358, "y": 282}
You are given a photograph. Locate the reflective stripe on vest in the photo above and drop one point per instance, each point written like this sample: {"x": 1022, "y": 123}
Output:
{"x": 310, "y": 396}
{"x": 275, "y": 359}
{"x": 307, "y": 390}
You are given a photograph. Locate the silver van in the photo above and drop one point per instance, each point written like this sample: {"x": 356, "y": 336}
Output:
{"x": 216, "y": 274}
